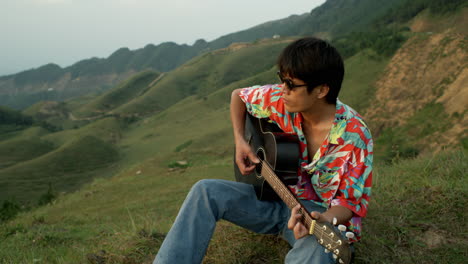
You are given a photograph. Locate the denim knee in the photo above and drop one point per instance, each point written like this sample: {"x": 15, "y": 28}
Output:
{"x": 203, "y": 186}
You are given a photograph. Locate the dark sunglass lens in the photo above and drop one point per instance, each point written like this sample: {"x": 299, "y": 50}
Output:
{"x": 289, "y": 84}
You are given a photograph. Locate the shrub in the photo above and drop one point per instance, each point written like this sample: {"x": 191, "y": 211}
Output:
{"x": 47, "y": 197}
{"x": 9, "y": 209}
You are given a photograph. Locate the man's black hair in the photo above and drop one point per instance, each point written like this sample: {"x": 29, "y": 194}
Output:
{"x": 315, "y": 62}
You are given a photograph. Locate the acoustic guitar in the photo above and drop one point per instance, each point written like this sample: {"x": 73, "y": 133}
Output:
{"x": 279, "y": 154}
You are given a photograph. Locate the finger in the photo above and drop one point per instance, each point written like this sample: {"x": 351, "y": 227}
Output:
{"x": 299, "y": 230}
{"x": 241, "y": 168}
{"x": 294, "y": 216}
{"x": 249, "y": 169}
{"x": 293, "y": 220}
{"x": 244, "y": 165}
{"x": 316, "y": 215}
{"x": 295, "y": 209}
{"x": 240, "y": 162}
{"x": 253, "y": 158}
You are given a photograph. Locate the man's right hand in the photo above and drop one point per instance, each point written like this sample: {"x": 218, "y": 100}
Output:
{"x": 246, "y": 160}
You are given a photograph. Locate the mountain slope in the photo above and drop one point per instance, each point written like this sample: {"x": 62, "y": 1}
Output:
{"x": 205, "y": 74}
{"x": 427, "y": 77}
{"x": 50, "y": 82}
{"x": 119, "y": 95}
{"x": 65, "y": 168}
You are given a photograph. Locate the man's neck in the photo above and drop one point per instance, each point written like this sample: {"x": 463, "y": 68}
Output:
{"x": 322, "y": 114}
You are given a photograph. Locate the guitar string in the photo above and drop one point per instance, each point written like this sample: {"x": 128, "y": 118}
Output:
{"x": 319, "y": 233}
{"x": 290, "y": 201}
{"x": 307, "y": 219}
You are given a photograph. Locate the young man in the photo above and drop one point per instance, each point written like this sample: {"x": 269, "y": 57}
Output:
{"x": 334, "y": 180}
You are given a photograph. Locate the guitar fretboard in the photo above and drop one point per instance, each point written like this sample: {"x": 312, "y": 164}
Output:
{"x": 289, "y": 199}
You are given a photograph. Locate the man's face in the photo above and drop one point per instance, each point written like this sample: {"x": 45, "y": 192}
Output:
{"x": 297, "y": 99}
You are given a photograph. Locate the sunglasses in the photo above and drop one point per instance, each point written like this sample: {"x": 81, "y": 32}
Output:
{"x": 289, "y": 84}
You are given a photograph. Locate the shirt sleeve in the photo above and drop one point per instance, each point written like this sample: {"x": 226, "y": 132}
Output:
{"x": 354, "y": 190}
{"x": 266, "y": 102}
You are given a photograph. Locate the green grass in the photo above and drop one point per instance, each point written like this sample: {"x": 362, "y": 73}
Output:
{"x": 127, "y": 216}
{"x": 119, "y": 95}
{"x": 66, "y": 168}
{"x": 107, "y": 215}
{"x": 22, "y": 149}
{"x": 107, "y": 129}
{"x": 408, "y": 140}
{"x": 33, "y": 158}
{"x": 34, "y": 131}
{"x": 418, "y": 211}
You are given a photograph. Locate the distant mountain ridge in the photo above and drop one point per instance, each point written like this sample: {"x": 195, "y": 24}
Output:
{"x": 96, "y": 75}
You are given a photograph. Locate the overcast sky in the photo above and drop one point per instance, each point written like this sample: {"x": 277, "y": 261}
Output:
{"x": 37, "y": 32}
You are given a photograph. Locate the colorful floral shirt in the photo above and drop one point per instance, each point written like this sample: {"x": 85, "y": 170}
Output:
{"x": 340, "y": 172}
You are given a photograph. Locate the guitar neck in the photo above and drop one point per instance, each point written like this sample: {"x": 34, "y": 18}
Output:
{"x": 288, "y": 198}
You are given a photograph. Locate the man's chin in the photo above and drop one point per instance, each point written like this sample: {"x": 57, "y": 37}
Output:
{"x": 290, "y": 109}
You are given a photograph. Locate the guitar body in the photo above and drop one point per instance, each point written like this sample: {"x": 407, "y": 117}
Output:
{"x": 280, "y": 150}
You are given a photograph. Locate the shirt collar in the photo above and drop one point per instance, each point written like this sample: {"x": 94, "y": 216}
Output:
{"x": 339, "y": 124}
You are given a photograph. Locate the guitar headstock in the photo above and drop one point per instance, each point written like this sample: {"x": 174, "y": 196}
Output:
{"x": 332, "y": 239}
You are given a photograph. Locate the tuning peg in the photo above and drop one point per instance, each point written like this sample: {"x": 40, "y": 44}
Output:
{"x": 327, "y": 251}
{"x": 349, "y": 235}
{"x": 335, "y": 256}
{"x": 342, "y": 228}
{"x": 335, "y": 221}
{"x": 341, "y": 261}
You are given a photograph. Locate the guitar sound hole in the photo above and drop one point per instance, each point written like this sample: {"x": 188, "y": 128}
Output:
{"x": 261, "y": 156}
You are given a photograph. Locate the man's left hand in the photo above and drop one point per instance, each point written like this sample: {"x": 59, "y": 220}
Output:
{"x": 296, "y": 225}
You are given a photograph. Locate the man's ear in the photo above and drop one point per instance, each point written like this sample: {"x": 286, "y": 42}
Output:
{"x": 323, "y": 91}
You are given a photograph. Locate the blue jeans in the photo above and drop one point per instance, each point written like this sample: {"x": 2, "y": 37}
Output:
{"x": 211, "y": 200}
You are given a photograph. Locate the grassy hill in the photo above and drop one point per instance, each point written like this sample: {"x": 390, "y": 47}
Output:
{"x": 123, "y": 219}
{"x": 206, "y": 74}
{"x": 22, "y": 149}
{"x": 11, "y": 120}
{"x": 112, "y": 185}
{"x": 119, "y": 95}
{"x": 66, "y": 160}
{"x": 65, "y": 168}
